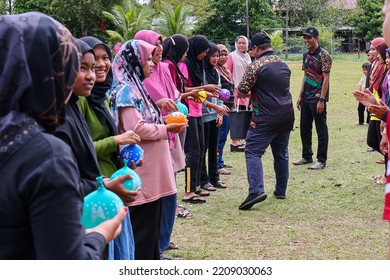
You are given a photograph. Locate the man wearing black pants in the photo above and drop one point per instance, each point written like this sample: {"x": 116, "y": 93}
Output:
{"x": 312, "y": 99}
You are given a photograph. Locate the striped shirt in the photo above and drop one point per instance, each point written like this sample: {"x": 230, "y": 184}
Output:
{"x": 314, "y": 65}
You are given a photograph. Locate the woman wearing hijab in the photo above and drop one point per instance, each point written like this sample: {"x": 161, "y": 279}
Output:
{"x": 135, "y": 110}
{"x": 374, "y": 135}
{"x": 192, "y": 68}
{"x": 226, "y": 83}
{"x": 163, "y": 92}
{"x": 212, "y": 112}
{"x": 175, "y": 49}
{"x": 237, "y": 62}
{"x": 40, "y": 197}
{"x": 104, "y": 133}
{"x": 95, "y": 109}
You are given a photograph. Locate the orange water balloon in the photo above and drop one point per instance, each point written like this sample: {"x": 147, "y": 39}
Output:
{"x": 176, "y": 117}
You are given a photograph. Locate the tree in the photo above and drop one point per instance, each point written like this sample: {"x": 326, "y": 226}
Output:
{"x": 228, "y": 19}
{"x": 81, "y": 17}
{"x": 368, "y": 20}
{"x": 175, "y": 20}
{"x": 277, "y": 41}
{"x": 327, "y": 13}
{"x": 128, "y": 20}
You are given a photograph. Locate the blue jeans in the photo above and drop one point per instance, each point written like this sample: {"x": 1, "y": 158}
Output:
{"x": 168, "y": 214}
{"x": 122, "y": 247}
{"x": 223, "y": 133}
{"x": 257, "y": 141}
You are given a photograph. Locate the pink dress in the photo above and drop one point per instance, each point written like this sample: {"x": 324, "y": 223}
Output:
{"x": 156, "y": 171}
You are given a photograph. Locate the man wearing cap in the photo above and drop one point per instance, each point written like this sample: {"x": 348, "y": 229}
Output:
{"x": 312, "y": 99}
{"x": 267, "y": 81}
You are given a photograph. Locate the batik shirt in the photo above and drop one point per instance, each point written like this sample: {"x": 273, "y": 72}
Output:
{"x": 314, "y": 65}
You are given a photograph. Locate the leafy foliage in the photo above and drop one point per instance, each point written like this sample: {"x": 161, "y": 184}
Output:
{"x": 368, "y": 20}
{"x": 81, "y": 17}
{"x": 176, "y": 20}
{"x": 277, "y": 41}
{"x": 229, "y": 19}
{"x": 127, "y": 20}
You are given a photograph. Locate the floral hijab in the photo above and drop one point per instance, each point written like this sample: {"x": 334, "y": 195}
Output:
{"x": 127, "y": 87}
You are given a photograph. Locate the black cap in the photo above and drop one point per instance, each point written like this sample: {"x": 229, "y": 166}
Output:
{"x": 260, "y": 39}
{"x": 311, "y": 31}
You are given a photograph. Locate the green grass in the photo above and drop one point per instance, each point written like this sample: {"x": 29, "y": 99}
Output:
{"x": 334, "y": 213}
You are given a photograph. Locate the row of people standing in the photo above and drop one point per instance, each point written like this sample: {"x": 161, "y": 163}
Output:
{"x": 42, "y": 192}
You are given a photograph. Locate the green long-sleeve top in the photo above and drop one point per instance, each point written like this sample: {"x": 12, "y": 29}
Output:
{"x": 104, "y": 144}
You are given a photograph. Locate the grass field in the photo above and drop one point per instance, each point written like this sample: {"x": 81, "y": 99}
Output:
{"x": 334, "y": 213}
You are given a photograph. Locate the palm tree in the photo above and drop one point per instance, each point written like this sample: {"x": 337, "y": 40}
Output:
{"x": 175, "y": 20}
{"x": 277, "y": 41}
{"x": 128, "y": 20}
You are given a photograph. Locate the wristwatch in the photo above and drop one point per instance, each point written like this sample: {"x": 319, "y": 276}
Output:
{"x": 322, "y": 99}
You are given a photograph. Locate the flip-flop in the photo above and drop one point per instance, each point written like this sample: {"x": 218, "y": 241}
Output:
{"x": 172, "y": 246}
{"x": 220, "y": 185}
{"x": 223, "y": 171}
{"x": 208, "y": 187}
{"x": 185, "y": 214}
{"x": 202, "y": 193}
{"x": 195, "y": 199}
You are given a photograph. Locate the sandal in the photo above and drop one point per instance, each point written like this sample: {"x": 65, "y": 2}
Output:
{"x": 381, "y": 180}
{"x": 223, "y": 171}
{"x": 183, "y": 207}
{"x": 202, "y": 193}
{"x": 185, "y": 214}
{"x": 237, "y": 148}
{"x": 195, "y": 199}
{"x": 172, "y": 246}
{"x": 227, "y": 166}
{"x": 208, "y": 187}
{"x": 220, "y": 185}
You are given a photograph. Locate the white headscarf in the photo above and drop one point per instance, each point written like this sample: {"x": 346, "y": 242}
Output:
{"x": 240, "y": 61}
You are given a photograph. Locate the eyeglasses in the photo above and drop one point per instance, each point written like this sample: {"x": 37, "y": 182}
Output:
{"x": 307, "y": 37}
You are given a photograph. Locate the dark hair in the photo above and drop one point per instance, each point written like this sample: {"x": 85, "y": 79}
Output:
{"x": 264, "y": 46}
{"x": 366, "y": 65}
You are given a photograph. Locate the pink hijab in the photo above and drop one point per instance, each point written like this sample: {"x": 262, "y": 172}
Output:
{"x": 160, "y": 83}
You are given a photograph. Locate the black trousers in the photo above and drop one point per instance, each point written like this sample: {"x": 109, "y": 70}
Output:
{"x": 209, "y": 172}
{"x": 308, "y": 115}
{"x": 374, "y": 137}
{"x": 361, "y": 108}
{"x": 145, "y": 220}
{"x": 193, "y": 149}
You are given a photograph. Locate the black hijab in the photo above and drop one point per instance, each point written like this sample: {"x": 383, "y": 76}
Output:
{"x": 211, "y": 73}
{"x": 99, "y": 92}
{"x": 39, "y": 62}
{"x": 174, "y": 48}
{"x": 198, "y": 44}
{"x": 75, "y": 132}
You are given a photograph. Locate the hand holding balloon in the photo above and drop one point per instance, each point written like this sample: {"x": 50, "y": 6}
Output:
{"x": 110, "y": 229}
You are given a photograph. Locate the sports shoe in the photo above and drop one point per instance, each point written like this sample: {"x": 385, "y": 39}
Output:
{"x": 302, "y": 161}
{"x": 318, "y": 165}
{"x": 251, "y": 200}
{"x": 279, "y": 196}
